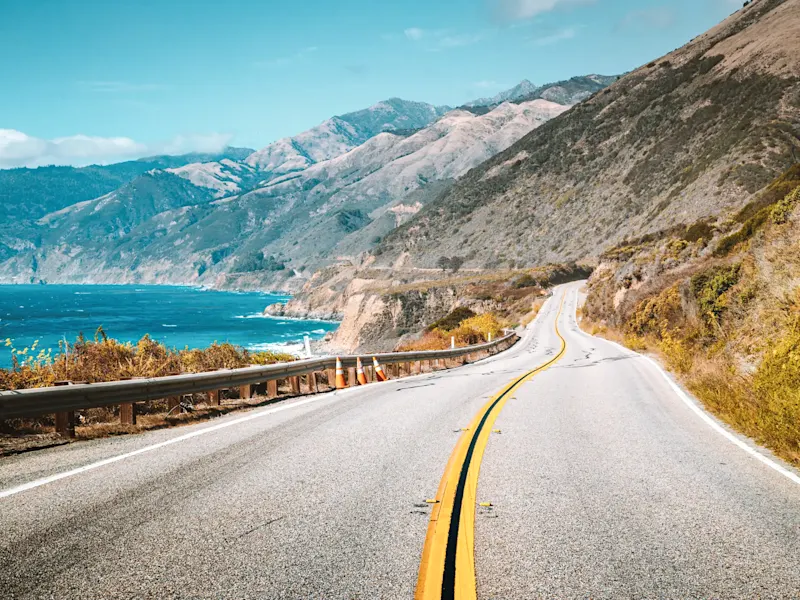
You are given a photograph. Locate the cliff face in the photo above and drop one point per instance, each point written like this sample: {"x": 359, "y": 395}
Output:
{"x": 382, "y": 308}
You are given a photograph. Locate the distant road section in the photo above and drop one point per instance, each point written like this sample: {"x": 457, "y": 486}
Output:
{"x": 596, "y": 480}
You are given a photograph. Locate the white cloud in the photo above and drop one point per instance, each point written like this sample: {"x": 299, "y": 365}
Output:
{"x": 658, "y": 17}
{"x": 18, "y": 149}
{"x": 525, "y": 9}
{"x": 442, "y": 39}
{"x": 559, "y": 36}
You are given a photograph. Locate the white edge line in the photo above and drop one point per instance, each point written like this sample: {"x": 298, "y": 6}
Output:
{"x": 181, "y": 438}
{"x": 700, "y": 412}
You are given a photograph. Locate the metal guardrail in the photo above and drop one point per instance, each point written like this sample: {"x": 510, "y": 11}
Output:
{"x": 64, "y": 399}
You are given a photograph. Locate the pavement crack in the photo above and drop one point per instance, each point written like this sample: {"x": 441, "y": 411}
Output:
{"x": 254, "y": 529}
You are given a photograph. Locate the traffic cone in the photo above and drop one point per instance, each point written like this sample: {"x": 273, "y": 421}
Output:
{"x": 360, "y": 376}
{"x": 379, "y": 374}
{"x": 340, "y": 382}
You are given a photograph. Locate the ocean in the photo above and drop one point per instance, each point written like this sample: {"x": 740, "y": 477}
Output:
{"x": 177, "y": 316}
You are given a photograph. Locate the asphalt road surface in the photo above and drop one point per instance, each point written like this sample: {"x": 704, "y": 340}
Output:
{"x": 603, "y": 482}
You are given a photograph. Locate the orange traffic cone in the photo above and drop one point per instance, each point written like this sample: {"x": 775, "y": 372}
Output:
{"x": 340, "y": 382}
{"x": 360, "y": 376}
{"x": 379, "y": 374}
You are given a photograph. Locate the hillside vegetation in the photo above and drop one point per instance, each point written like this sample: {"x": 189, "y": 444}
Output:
{"x": 692, "y": 135}
{"x": 721, "y": 304}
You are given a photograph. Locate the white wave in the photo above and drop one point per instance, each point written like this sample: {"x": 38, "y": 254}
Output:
{"x": 83, "y": 293}
{"x": 170, "y": 326}
{"x": 297, "y": 349}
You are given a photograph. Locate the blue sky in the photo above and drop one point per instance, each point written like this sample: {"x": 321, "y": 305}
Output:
{"x": 127, "y": 78}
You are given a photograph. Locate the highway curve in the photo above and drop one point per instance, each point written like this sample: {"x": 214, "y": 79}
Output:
{"x": 592, "y": 477}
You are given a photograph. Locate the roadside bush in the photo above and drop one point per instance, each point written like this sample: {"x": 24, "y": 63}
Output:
{"x": 654, "y": 315}
{"x": 782, "y": 210}
{"x": 710, "y": 290}
{"x": 452, "y": 320}
{"x": 476, "y": 330}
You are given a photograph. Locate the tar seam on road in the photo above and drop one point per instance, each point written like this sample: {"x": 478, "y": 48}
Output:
{"x": 447, "y": 568}
{"x": 693, "y": 406}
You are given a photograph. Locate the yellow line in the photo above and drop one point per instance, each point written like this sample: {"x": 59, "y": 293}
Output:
{"x": 447, "y": 568}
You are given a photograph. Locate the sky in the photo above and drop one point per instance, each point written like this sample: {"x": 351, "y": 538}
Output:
{"x": 96, "y": 81}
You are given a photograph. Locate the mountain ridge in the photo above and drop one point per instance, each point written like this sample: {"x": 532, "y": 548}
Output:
{"x": 686, "y": 137}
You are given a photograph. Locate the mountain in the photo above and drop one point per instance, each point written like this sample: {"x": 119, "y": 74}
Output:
{"x": 203, "y": 222}
{"x": 691, "y": 136}
{"x": 339, "y": 135}
{"x": 266, "y": 218}
{"x": 32, "y": 193}
{"x": 522, "y": 90}
{"x": 567, "y": 92}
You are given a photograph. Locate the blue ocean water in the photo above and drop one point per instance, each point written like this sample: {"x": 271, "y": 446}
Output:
{"x": 177, "y": 316}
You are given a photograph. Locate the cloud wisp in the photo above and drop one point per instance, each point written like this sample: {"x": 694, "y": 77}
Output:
{"x": 517, "y": 10}
{"x": 17, "y": 149}
{"x": 657, "y": 17}
{"x": 441, "y": 39}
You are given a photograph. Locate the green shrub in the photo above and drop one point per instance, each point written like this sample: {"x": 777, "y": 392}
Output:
{"x": 256, "y": 261}
{"x": 709, "y": 289}
{"x": 781, "y": 212}
{"x": 453, "y": 320}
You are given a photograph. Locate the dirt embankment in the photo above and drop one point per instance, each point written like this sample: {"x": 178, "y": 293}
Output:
{"x": 720, "y": 302}
{"x": 382, "y": 308}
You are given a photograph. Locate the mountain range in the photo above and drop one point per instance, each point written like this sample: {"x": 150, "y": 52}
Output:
{"x": 246, "y": 218}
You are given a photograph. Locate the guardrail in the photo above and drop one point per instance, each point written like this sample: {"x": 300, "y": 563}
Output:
{"x": 67, "y": 398}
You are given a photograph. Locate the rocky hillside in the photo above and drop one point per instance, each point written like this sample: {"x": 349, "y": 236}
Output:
{"x": 721, "y": 303}
{"x": 339, "y": 135}
{"x": 568, "y": 92}
{"x": 274, "y": 217}
{"x": 692, "y": 135}
{"x": 27, "y": 194}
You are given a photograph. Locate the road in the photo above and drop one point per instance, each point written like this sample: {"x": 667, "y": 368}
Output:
{"x": 603, "y": 483}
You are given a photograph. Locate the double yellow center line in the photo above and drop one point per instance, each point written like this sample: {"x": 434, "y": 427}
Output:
{"x": 447, "y": 569}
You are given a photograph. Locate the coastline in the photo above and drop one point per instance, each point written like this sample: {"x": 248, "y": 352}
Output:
{"x": 129, "y": 311}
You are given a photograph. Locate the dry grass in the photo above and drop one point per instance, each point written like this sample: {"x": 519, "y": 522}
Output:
{"x": 468, "y": 332}
{"x": 730, "y": 330}
{"x": 106, "y": 359}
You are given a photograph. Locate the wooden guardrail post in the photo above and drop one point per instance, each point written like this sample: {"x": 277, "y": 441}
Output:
{"x": 214, "y": 398}
{"x": 272, "y": 389}
{"x": 295, "y": 383}
{"x": 65, "y": 421}
{"x": 417, "y": 367}
{"x": 351, "y": 377}
{"x": 331, "y": 375}
{"x": 127, "y": 413}
{"x": 245, "y": 391}
{"x": 173, "y": 402}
